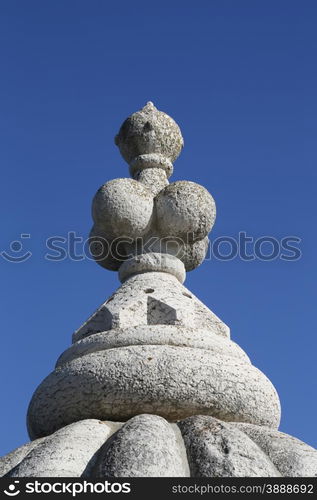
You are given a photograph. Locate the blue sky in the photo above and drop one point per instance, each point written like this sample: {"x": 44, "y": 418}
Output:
{"x": 240, "y": 79}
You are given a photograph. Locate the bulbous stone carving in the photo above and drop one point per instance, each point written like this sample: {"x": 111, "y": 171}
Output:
{"x": 186, "y": 210}
{"x": 172, "y": 219}
{"x": 152, "y": 384}
{"x": 172, "y": 381}
{"x": 123, "y": 208}
{"x": 149, "y": 446}
{"x": 106, "y": 254}
{"x": 150, "y": 139}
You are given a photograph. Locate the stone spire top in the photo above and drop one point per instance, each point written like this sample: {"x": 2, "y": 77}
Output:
{"x": 152, "y": 385}
{"x": 152, "y": 346}
{"x": 146, "y": 224}
{"x": 149, "y": 138}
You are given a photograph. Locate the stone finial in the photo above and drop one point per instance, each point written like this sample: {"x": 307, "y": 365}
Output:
{"x": 178, "y": 216}
{"x": 152, "y": 347}
{"x": 149, "y": 138}
{"x": 152, "y": 385}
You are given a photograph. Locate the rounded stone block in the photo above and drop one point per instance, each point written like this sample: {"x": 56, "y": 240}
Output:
{"x": 149, "y": 446}
{"x": 185, "y": 210}
{"x": 173, "y": 382}
{"x": 152, "y": 262}
{"x": 150, "y": 137}
{"x": 292, "y": 457}
{"x": 149, "y": 161}
{"x": 12, "y": 459}
{"x": 123, "y": 208}
{"x": 215, "y": 449}
{"x": 153, "y": 335}
{"x": 69, "y": 452}
{"x": 146, "y": 446}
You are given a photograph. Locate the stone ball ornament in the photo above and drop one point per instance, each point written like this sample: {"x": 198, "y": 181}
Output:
{"x": 128, "y": 210}
{"x": 186, "y": 210}
{"x": 193, "y": 254}
{"x": 150, "y": 138}
{"x": 123, "y": 207}
{"x": 153, "y": 385}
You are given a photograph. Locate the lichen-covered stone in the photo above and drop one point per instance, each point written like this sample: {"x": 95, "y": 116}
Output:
{"x": 193, "y": 254}
{"x": 154, "y": 178}
{"x": 123, "y": 208}
{"x": 186, "y": 210}
{"x": 150, "y": 138}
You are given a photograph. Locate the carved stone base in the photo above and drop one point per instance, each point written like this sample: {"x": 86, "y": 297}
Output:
{"x": 149, "y": 446}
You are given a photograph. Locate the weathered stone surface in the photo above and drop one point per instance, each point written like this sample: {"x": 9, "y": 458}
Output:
{"x": 292, "y": 457}
{"x": 12, "y": 459}
{"x": 108, "y": 254}
{"x": 123, "y": 208}
{"x": 174, "y": 382}
{"x": 146, "y": 446}
{"x": 185, "y": 210}
{"x": 149, "y": 138}
{"x": 69, "y": 452}
{"x": 150, "y": 262}
{"x": 126, "y": 211}
{"x": 174, "y": 335}
{"x": 154, "y": 178}
{"x": 154, "y": 348}
{"x": 128, "y": 307}
{"x": 193, "y": 254}
{"x": 216, "y": 449}
{"x": 127, "y": 225}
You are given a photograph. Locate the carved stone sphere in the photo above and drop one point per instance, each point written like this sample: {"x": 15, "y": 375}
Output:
{"x": 185, "y": 210}
{"x": 150, "y": 132}
{"x": 123, "y": 208}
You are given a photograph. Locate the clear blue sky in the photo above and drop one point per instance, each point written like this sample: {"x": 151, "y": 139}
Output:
{"x": 240, "y": 79}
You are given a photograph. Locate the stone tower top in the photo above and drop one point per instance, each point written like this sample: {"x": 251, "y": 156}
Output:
{"x": 145, "y": 224}
{"x": 152, "y": 385}
{"x": 152, "y": 347}
{"x": 149, "y": 138}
